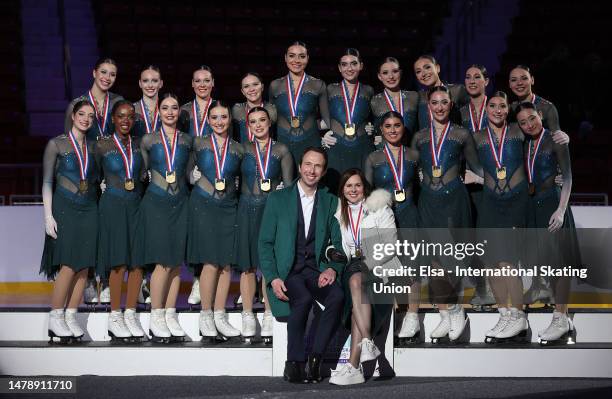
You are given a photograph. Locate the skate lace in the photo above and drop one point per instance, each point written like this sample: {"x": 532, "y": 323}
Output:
{"x": 502, "y": 322}
{"x": 369, "y": 345}
{"x": 132, "y": 321}
{"x": 172, "y": 321}
{"x": 558, "y": 322}
{"x": 119, "y": 321}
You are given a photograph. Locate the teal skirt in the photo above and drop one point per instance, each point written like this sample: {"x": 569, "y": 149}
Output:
{"x": 250, "y": 212}
{"x": 556, "y": 249}
{"x": 77, "y": 236}
{"x": 161, "y": 231}
{"x": 380, "y": 311}
{"x": 297, "y": 144}
{"x": 118, "y": 217}
{"x": 212, "y": 231}
{"x": 498, "y": 216}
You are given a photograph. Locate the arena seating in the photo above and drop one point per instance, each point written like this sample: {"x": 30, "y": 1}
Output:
{"x": 560, "y": 41}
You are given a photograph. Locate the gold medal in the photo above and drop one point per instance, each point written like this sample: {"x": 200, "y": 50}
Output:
{"x": 436, "y": 171}
{"x": 295, "y": 122}
{"x": 531, "y": 189}
{"x": 129, "y": 184}
{"x": 501, "y": 173}
{"x": 171, "y": 177}
{"x": 265, "y": 185}
{"x": 220, "y": 184}
{"x": 83, "y": 185}
{"x": 349, "y": 129}
{"x": 358, "y": 252}
{"x": 400, "y": 195}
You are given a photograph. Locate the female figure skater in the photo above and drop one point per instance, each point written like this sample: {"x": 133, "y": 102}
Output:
{"x": 120, "y": 160}
{"x": 266, "y": 164}
{"x": 161, "y": 236}
{"x": 71, "y": 220}
{"x": 394, "y": 169}
{"x": 212, "y": 219}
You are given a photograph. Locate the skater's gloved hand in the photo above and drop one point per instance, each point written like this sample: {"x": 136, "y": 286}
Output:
{"x": 369, "y": 128}
{"x": 103, "y": 185}
{"x": 377, "y": 140}
{"x": 280, "y": 186}
{"x": 556, "y": 220}
{"x": 335, "y": 256}
{"x": 559, "y": 180}
{"x": 278, "y": 286}
{"x": 51, "y": 226}
{"x": 560, "y": 137}
{"x": 195, "y": 175}
{"x": 327, "y": 277}
{"x": 328, "y": 140}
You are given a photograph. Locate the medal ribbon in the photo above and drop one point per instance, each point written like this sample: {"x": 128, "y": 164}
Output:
{"x": 392, "y": 106}
{"x": 83, "y": 158}
{"x": 437, "y": 149}
{"x": 103, "y": 118}
{"x": 247, "y": 108}
{"x": 356, "y": 227}
{"x": 477, "y": 125}
{"x": 128, "y": 159}
{"x": 349, "y": 104}
{"x": 398, "y": 177}
{"x": 219, "y": 166}
{"x": 530, "y": 161}
{"x": 170, "y": 153}
{"x": 293, "y": 102}
{"x": 533, "y": 98}
{"x": 199, "y": 125}
{"x": 151, "y": 126}
{"x": 263, "y": 166}
{"x": 498, "y": 154}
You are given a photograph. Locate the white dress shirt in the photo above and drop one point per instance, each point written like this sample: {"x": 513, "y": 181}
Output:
{"x": 307, "y": 206}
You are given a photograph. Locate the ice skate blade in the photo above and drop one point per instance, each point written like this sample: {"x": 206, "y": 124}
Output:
{"x": 521, "y": 338}
{"x": 228, "y": 340}
{"x": 249, "y": 340}
{"x": 483, "y": 308}
{"x": 208, "y": 340}
{"x": 159, "y": 340}
{"x": 267, "y": 340}
{"x": 56, "y": 339}
{"x": 407, "y": 341}
{"x": 177, "y": 339}
{"x": 569, "y": 338}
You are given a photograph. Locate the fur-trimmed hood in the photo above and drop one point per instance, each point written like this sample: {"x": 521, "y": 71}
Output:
{"x": 375, "y": 202}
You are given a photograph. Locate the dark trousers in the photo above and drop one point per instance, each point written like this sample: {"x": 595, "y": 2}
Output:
{"x": 302, "y": 290}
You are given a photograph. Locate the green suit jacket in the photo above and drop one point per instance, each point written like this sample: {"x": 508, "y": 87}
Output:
{"x": 278, "y": 235}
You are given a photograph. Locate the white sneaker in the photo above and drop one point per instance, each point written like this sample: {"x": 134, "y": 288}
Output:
{"x": 207, "y": 324}
{"x": 443, "y": 328}
{"x": 116, "y": 325}
{"x": 347, "y": 375}
{"x": 504, "y": 316}
{"x": 267, "y": 324}
{"x": 173, "y": 324}
{"x": 194, "y": 296}
{"x": 157, "y": 325}
{"x": 559, "y": 326}
{"x": 90, "y": 295}
{"x": 369, "y": 350}
{"x": 249, "y": 325}
{"x": 105, "y": 294}
{"x": 133, "y": 323}
{"x": 73, "y": 325}
{"x": 517, "y": 325}
{"x": 458, "y": 321}
{"x": 223, "y": 326}
{"x": 57, "y": 324}
{"x": 410, "y": 326}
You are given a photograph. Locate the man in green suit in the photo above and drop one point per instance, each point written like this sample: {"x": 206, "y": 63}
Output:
{"x": 297, "y": 226}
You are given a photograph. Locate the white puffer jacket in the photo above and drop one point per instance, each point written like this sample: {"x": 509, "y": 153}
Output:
{"x": 377, "y": 226}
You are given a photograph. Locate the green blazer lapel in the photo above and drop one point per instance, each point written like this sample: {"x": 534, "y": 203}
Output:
{"x": 292, "y": 210}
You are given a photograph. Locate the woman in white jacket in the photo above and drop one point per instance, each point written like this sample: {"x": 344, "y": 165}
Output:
{"x": 365, "y": 219}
